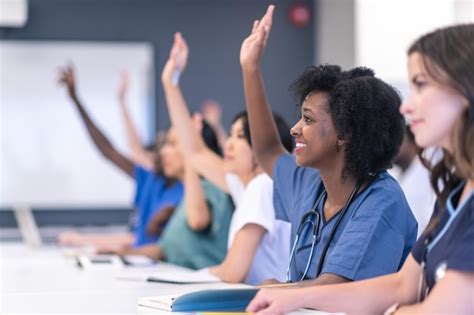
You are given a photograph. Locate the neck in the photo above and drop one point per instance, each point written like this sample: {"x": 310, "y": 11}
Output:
{"x": 246, "y": 178}
{"x": 405, "y": 162}
{"x": 337, "y": 191}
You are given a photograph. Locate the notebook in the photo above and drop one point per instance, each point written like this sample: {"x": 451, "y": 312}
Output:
{"x": 227, "y": 300}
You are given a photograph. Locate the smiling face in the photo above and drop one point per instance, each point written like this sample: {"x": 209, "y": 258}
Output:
{"x": 432, "y": 108}
{"x": 238, "y": 156}
{"x": 314, "y": 133}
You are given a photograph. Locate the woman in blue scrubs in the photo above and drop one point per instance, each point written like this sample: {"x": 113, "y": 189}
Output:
{"x": 438, "y": 276}
{"x": 350, "y": 220}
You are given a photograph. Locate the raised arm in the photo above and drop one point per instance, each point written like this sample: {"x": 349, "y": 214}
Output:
{"x": 139, "y": 154}
{"x": 211, "y": 110}
{"x": 101, "y": 142}
{"x": 198, "y": 214}
{"x": 266, "y": 143}
{"x": 204, "y": 161}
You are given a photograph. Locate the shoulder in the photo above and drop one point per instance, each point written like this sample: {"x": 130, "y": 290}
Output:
{"x": 385, "y": 189}
{"x": 384, "y": 198}
{"x": 260, "y": 181}
{"x": 286, "y": 169}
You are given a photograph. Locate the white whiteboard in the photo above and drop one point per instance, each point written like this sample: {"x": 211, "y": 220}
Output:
{"x": 47, "y": 157}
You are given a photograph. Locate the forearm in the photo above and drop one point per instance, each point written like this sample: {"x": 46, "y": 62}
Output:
{"x": 266, "y": 142}
{"x": 181, "y": 119}
{"x": 372, "y": 296}
{"x": 153, "y": 251}
{"x": 102, "y": 143}
{"x": 240, "y": 255}
{"x": 221, "y": 134}
{"x": 326, "y": 278}
{"x": 139, "y": 154}
{"x": 198, "y": 213}
{"x": 204, "y": 161}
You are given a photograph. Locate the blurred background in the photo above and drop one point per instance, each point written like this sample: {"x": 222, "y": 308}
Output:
{"x": 48, "y": 163}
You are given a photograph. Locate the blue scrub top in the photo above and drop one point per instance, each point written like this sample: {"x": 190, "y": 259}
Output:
{"x": 452, "y": 244}
{"x": 374, "y": 237}
{"x": 152, "y": 195}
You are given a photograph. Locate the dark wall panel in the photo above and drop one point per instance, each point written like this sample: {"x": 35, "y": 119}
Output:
{"x": 214, "y": 31}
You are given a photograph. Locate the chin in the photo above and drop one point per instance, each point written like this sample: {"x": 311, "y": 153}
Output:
{"x": 299, "y": 161}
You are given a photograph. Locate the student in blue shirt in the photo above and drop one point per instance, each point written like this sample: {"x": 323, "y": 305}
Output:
{"x": 158, "y": 189}
{"x": 350, "y": 219}
{"x": 438, "y": 276}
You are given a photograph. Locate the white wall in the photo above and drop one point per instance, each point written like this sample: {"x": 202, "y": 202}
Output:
{"x": 377, "y": 33}
{"x": 386, "y": 28}
{"x": 47, "y": 157}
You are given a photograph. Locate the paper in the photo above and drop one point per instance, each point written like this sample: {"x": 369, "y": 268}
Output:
{"x": 200, "y": 276}
{"x": 176, "y": 275}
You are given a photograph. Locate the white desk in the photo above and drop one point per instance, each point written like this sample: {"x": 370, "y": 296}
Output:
{"x": 44, "y": 281}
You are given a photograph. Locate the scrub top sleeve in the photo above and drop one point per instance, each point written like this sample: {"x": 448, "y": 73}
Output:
{"x": 140, "y": 178}
{"x": 285, "y": 186}
{"x": 462, "y": 258}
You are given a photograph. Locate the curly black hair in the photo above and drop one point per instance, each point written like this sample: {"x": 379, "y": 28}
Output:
{"x": 365, "y": 113}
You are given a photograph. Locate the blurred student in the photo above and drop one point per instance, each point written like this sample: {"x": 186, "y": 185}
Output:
{"x": 258, "y": 244}
{"x": 156, "y": 194}
{"x": 414, "y": 178}
{"x": 196, "y": 234}
{"x": 438, "y": 276}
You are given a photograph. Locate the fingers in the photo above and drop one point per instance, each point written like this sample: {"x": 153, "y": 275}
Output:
{"x": 268, "y": 16}
{"x": 267, "y": 22}
{"x": 258, "y": 303}
{"x": 255, "y": 26}
{"x": 182, "y": 51}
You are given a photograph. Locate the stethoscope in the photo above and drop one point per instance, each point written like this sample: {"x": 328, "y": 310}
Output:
{"x": 306, "y": 219}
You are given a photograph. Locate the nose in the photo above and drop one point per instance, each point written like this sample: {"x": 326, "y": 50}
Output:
{"x": 228, "y": 143}
{"x": 406, "y": 107}
{"x": 295, "y": 131}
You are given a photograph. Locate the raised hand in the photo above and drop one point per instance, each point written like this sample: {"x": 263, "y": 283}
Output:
{"x": 212, "y": 112}
{"x": 254, "y": 45}
{"x": 123, "y": 86}
{"x": 177, "y": 61}
{"x": 66, "y": 77}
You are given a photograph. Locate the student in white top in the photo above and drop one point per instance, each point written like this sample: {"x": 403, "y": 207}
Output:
{"x": 414, "y": 178}
{"x": 258, "y": 243}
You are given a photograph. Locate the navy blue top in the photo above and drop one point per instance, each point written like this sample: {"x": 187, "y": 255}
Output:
{"x": 152, "y": 195}
{"x": 452, "y": 243}
{"x": 374, "y": 237}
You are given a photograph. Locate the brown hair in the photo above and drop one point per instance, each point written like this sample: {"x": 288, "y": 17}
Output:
{"x": 448, "y": 55}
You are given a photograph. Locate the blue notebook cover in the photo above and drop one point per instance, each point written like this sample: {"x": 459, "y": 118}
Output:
{"x": 214, "y": 300}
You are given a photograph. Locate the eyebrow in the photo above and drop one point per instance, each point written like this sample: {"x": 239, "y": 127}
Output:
{"x": 306, "y": 109}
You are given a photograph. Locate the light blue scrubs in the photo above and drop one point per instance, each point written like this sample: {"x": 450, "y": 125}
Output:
{"x": 374, "y": 237}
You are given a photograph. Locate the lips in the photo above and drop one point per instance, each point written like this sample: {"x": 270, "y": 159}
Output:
{"x": 299, "y": 147}
{"x": 414, "y": 123}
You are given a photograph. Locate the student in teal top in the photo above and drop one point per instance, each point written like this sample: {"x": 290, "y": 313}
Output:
{"x": 196, "y": 234}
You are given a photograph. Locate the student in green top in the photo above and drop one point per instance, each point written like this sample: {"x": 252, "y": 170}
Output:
{"x": 196, "y": 234}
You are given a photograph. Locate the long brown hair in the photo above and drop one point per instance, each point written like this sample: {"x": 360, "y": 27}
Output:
{"x": 448, "y": 55}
